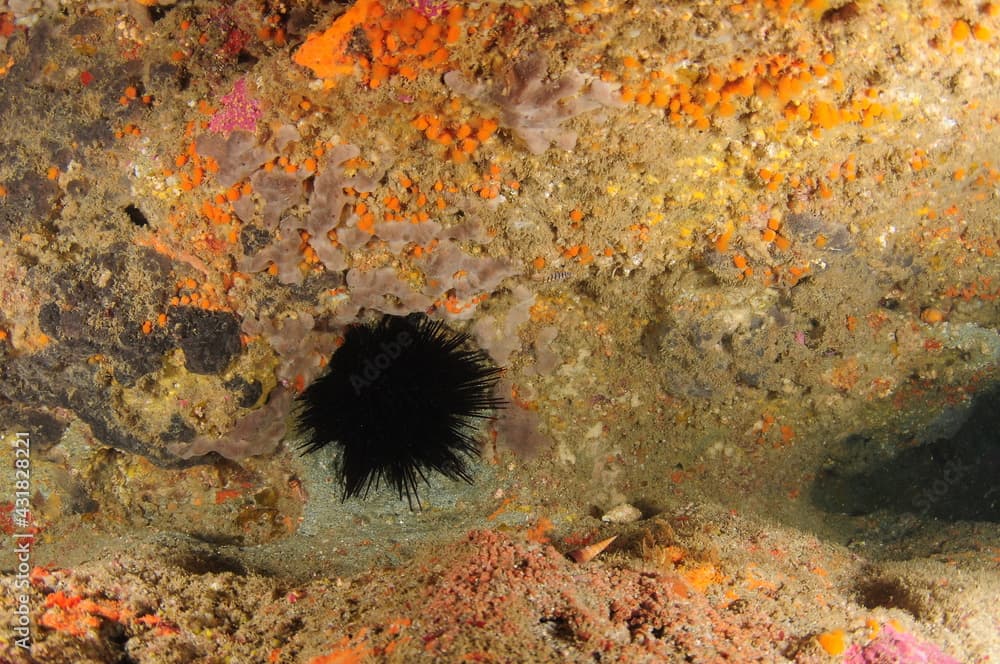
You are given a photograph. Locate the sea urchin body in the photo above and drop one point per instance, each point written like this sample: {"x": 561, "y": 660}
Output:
{"x": 401, "y": 397}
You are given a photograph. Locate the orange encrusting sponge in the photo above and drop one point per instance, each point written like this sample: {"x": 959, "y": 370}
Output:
{"x": 323, "y": 52}
{"x": 402, "y": 43}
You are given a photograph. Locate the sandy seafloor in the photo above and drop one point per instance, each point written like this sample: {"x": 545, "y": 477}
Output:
{"x": 738, "y": 259}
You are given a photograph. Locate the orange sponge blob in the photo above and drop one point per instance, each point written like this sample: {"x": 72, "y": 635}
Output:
{"x": 323, "y": 52}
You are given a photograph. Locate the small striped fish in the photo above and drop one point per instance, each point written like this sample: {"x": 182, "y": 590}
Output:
{"x": 560, "y": 275}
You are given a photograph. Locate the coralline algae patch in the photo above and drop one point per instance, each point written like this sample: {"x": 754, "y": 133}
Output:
{"x": 675, "y": 587}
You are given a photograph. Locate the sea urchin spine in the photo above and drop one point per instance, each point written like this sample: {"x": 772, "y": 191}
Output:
{"x": 402, "y": 396}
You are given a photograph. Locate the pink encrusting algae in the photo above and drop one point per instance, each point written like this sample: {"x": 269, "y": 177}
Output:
{"x": 896, "y": 647}
{"x": 238, "y": 110}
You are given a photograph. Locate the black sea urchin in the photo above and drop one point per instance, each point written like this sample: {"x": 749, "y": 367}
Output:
{"x": 401, "y": 396}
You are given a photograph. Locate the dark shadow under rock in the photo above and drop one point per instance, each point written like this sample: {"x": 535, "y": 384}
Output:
{"x": 956, "y": 478}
